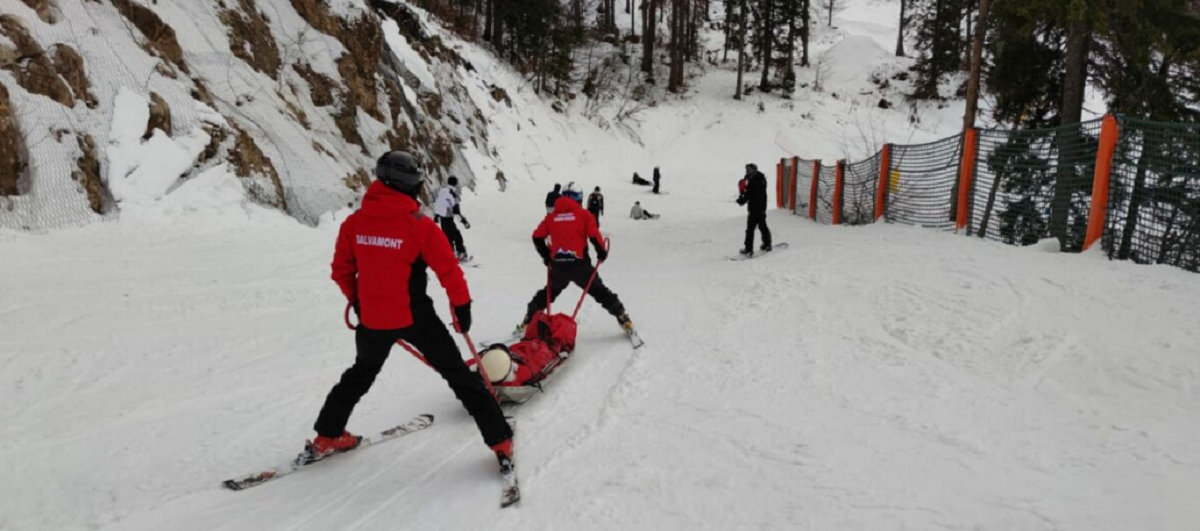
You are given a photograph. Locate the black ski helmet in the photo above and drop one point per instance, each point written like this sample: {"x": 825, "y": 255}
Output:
{"x": 452, "y": 181}
{"x": 751, "y": 168}
{"x": 399, "y": 171}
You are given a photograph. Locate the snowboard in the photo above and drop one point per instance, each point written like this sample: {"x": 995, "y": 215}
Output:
{"x": 758, "y": 254}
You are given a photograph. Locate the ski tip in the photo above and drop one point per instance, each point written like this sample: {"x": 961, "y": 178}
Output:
{"x": 511, "y": 497}
{"x": 231, "y": 484}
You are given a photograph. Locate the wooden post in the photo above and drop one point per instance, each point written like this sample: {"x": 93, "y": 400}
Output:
{"x": 812, "y": 199}
{"x": 838, "y": 189}
{"x": 885, "y": 172}
{"x": 1109, "y": 134}
{"x": 779, "y": 184}
{"x": 966, "y": 174}
{"x": 794, "y": 182}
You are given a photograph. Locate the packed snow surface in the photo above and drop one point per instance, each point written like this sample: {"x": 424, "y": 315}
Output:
{"x": 874, "y": 378}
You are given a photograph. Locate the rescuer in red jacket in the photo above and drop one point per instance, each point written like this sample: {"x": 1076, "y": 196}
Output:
{"x": 383, "y": 251}
{"x": 569, "y": 228}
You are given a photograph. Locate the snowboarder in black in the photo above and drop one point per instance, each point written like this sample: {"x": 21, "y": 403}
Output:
{"x": 552, "y": 197}
{"x": 755, "y": 199}
{"x": 657, "y": 177}
{"x": 638, "y": 180}
{"x": 596, "y": 205}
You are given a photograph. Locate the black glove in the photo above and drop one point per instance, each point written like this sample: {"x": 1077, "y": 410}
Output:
{"x": 601, "y": 254}
{"x": 357, "y": 310}
{"x": 466, "y": 224}
{"x": 546, "y": 260}
{"x": 462, "y": 318}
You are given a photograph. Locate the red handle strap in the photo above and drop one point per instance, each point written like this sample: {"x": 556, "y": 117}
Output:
{"x": 487, "y": 382}
{"x": 588, "y": 287}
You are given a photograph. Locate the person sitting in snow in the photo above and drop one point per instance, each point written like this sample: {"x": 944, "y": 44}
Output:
{"x": 638, "y": 180}
{"x": 639, "y": 213}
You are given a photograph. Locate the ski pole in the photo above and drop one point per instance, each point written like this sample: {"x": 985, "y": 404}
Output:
{"x": 588, "y": 287}
{"x": 400, "y": 342}
{"x": 487, "y": 382}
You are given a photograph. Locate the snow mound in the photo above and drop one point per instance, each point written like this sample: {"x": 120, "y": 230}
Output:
{"x": 851, "y": 62}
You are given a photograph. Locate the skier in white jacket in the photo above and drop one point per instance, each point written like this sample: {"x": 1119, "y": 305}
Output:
{"x": 445, "y": 207}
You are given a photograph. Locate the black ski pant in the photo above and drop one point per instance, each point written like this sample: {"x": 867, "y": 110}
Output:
{"x": 757, "y": 220}
{"x": 452, "y": 233}
{"x": 595, "y": 214}
{"x": 578, "y": 272}
{"x": 431, "y": 338}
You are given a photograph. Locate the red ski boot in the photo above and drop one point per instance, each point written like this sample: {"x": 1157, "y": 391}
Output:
{"x": 323, "y": 446}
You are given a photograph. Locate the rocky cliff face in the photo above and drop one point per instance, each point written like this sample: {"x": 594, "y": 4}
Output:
{"x": 296, "y": 97}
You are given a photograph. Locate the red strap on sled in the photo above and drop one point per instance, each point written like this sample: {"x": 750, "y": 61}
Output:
{"x": 487, "y": 382}
{"x": 400, "y": 342}
{"x": 588, "y": 287}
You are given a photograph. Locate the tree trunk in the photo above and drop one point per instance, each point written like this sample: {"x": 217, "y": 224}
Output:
{"x": 976, "y": 64}
{"x": 1079, "y": 34}
{"x": 632, "y": 19}
{"x": 805, "y": 18}
{"x": 648, "y": 32}
{"x": 489, "y": 10}
{"x": 831, "y": 3}
{"x": 767, "y": 36}
{"x": 741, "y": 37}
{"x": 903, "y": 25}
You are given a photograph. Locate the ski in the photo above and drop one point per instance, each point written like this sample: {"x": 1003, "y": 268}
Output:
{"x": 510, "y": 492}
{"x": 634, "y": 338}
{"x": 306, "y": 458}
{"x": 776, "y": 247}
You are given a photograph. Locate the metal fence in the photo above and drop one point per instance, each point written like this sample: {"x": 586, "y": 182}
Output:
{"x": 1132, "y": 185}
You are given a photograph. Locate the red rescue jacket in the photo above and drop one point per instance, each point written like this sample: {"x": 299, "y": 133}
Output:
{"x": 569, "y": 227}
{"x": 381, "y": 257}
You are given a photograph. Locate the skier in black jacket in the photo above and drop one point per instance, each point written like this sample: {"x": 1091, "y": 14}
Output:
{"x": 552, "y": 197}
{"x": 755, "y": 199}
{"x": 595, "y": 205}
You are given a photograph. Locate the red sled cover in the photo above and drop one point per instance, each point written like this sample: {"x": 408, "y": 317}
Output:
{"x": 558, "y": 330}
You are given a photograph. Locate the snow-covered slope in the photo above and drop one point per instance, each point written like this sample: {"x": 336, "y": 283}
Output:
{"x": 880, "y": 377}
{"x": 295, "y": 97}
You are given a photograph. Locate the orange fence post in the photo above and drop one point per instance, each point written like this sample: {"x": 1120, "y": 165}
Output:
{"x": 838, "y": 188}
{"x": 812, "y": 199}
{"x": 885, "y": 170}
{"x": 1109, "y": 134}
{"x": 966, "y": 174}
{"x": 792, "y": 186}
{"x": 779, "y": 184}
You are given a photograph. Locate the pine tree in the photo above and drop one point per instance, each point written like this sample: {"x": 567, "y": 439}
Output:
{"x": 939, "y": 41}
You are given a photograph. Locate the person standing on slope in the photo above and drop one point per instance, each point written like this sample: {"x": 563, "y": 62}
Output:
{"x": 552, "y": 197}
{"x": 755, "y": 199}
{"x": 445, "y": 207}
{"x": 657, "y": 177}
{"x": 596, "y": 205}
{"x": 380, "y": 262}
{"x": 568, "y": 229}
